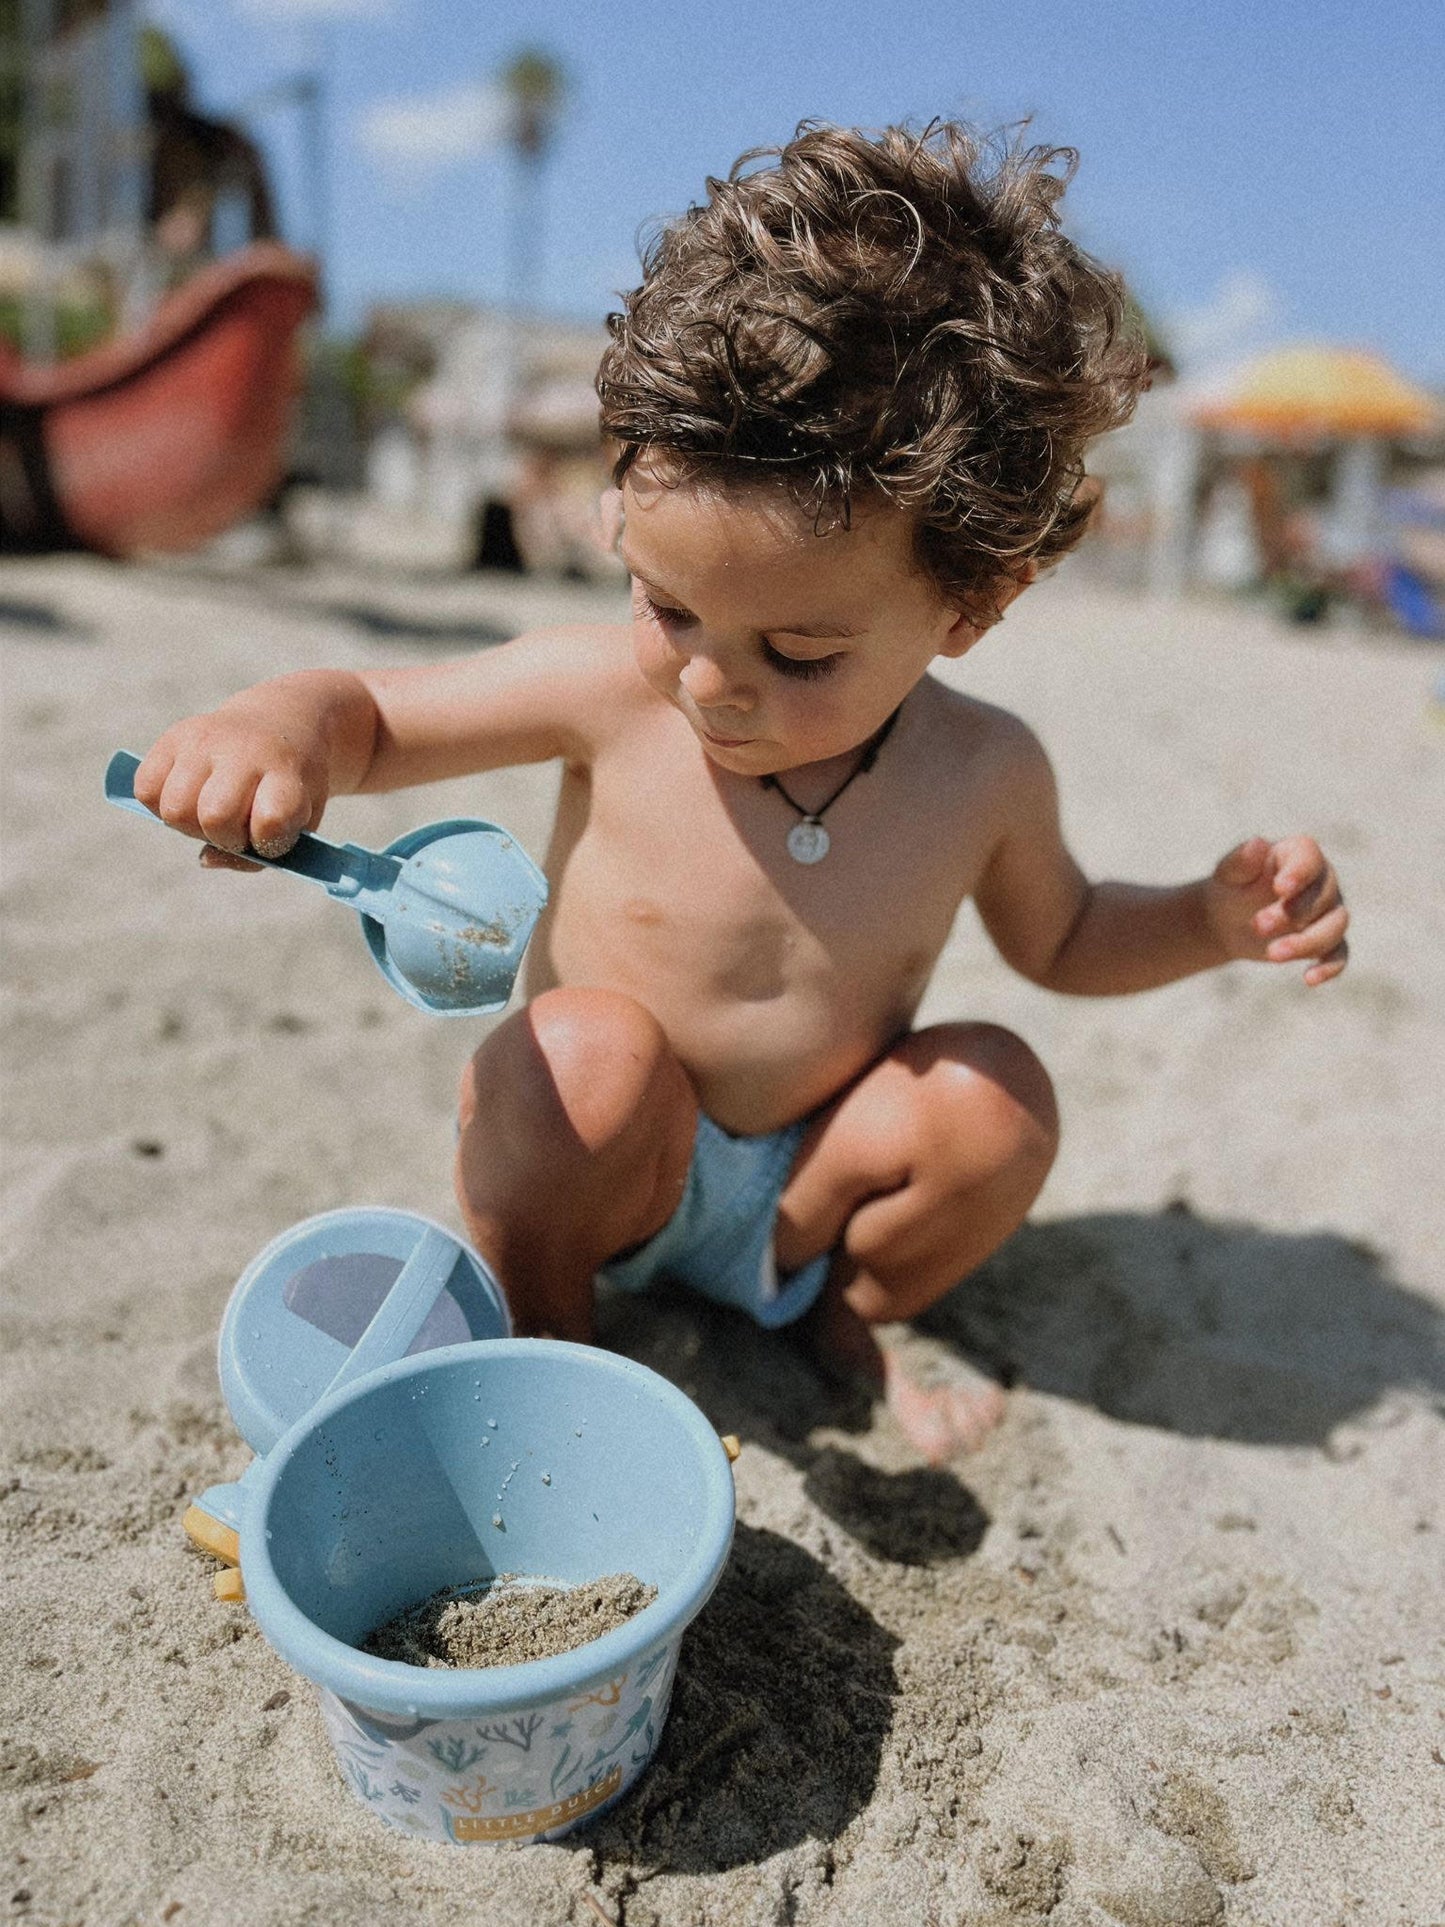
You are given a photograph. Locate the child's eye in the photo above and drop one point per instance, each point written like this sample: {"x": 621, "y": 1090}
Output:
{"x": 805, "y": 668}
{"x": 675, "y": 618}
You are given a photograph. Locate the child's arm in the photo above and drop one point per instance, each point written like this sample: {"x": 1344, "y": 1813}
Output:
{"x": 260, "y": 769}
{"x": 1274, "y": 902}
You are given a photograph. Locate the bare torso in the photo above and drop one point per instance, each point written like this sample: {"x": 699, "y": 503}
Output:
{"x": 777, "y": 983}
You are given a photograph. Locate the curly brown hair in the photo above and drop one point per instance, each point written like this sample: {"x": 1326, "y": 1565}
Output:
{"x": 897, "y": 315}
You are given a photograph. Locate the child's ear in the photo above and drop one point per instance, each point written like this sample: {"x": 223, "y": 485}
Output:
{"x": 967, "y": 630}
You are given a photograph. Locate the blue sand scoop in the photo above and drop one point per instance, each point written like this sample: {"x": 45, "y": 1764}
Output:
{"x": 447, "y": 910}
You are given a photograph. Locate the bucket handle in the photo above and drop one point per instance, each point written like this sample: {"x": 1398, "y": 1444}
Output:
{"x": 404, "y": 1310}
{"x": 213, "y": 1524}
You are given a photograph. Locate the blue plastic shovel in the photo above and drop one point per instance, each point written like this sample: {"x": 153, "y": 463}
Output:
{"x": 447, "y": 909}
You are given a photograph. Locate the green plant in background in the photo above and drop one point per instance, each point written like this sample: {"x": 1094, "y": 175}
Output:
{"x": 162, "y": 68}
{"x": 79, "y": 324}
{"x": 372, "y": 390}
{"x": 535, "y": 86}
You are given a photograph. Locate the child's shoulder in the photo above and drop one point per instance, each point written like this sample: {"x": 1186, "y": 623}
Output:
{"x": 977, "y": 733}
{"x": 993, "y": 767}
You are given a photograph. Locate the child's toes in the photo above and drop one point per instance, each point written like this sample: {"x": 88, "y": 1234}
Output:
{"x": 948, "y": 1417}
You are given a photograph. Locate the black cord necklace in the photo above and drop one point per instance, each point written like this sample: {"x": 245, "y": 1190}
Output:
{"x": 808, "y": 841}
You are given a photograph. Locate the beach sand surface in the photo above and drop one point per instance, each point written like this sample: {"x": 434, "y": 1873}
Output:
{"x": 1168, "y": 1652}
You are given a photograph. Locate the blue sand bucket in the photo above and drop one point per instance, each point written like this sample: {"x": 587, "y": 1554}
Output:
{"x": 528, "y": 1456}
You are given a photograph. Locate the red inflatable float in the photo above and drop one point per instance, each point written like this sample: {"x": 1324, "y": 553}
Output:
{"x": 161, "y": 439}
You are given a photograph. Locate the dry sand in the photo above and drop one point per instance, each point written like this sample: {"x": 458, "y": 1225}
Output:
{"x": 1167, "y": 1652}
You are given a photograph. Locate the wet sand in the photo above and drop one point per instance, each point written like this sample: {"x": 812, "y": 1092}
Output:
{"x": 1169, "y": 1651}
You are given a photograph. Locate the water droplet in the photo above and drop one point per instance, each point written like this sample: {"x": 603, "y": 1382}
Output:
{"x": 493, "y": 1423}
{"x": 546, "y": 1478}
{"x": 497, "y": 1521}
{"x": 577, "y": 1433}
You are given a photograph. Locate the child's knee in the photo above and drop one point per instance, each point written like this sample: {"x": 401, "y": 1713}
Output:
{"x": 594, "y": 1059}
{"x": 987, "y": 1095}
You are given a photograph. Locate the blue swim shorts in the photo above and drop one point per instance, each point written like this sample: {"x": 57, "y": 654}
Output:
{"x": 719, "y": 1241}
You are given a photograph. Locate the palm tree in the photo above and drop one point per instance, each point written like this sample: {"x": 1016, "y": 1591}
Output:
{"x": 534, "y": 86}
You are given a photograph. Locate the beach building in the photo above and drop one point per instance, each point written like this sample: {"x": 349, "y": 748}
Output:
{"x": 486, "y": 424}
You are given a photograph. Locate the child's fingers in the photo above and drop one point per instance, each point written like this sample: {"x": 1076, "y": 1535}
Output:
{"x": 216, "y": 859}
{"x": 1244, "y": 864}
{"x": 1298, "y": 860}
{"x": 223, "y": 808}
{"x": 1330, "y": 966}
{"x": 280, "y": 811}
{"x": 1313, "y": 901}
{"x": 150, "y": 777}
{"x": 180, "y": 793}
{"x": 1318, "y": 939}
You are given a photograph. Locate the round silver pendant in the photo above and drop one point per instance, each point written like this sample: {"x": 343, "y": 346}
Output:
{"x": 808, "y": 841}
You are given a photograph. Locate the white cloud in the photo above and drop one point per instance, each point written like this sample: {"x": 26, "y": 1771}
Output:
{"x": 420, "y": 134}
{"x": 1242, "y": 314}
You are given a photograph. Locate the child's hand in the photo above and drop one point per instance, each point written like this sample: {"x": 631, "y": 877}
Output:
{"x": 1280, "y": 902}
{"x": 238, "y": 782}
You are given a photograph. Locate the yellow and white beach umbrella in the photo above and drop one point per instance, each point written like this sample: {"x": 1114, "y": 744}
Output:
{"x": 1313, "y": 392}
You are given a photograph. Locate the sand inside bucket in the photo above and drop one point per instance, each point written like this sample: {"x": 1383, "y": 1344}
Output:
{"x": 506, "y": 1620}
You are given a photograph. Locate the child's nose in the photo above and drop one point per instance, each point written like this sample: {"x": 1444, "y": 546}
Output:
{"x": 710, "y": 686}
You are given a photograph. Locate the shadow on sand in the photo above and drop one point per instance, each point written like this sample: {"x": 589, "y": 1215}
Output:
{"x": 1209, "y": 1329}
{"x": 783, "y": 1701}
{"x": 1205, "y": 1327}
{"x": 448, "y": 633}
{"x": 762, "y": 1386}
{"x": 39, "y": 621}
{"x": 1202, "y": 1327}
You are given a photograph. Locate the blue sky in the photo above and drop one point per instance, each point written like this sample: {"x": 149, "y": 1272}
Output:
{"x": 1261, "y": 171}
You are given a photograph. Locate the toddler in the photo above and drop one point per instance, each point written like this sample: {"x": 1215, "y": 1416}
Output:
{"x": 850, "y": 402}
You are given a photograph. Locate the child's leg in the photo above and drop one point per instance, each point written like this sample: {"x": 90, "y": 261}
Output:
{"x": 577, "y": 1125}
{"x": 916, "y": 1174}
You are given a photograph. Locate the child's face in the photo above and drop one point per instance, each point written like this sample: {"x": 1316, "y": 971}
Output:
{"x": 779, "y": 645}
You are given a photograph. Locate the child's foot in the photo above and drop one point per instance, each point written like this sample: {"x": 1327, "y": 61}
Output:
{"x": 943, "y": 1407}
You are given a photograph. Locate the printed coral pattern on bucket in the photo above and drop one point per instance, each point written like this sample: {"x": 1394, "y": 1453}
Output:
{"x": 529, "y": 1775}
